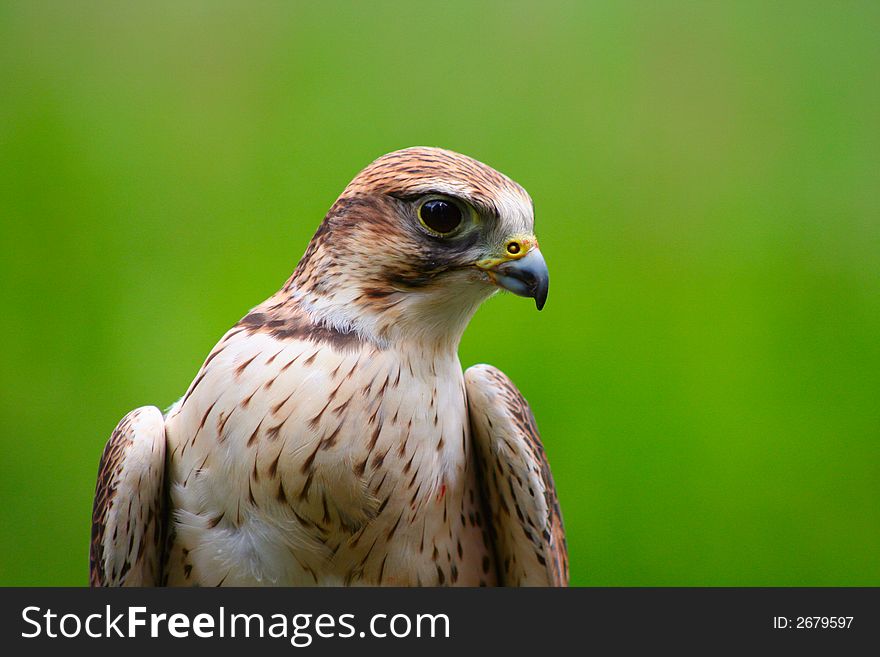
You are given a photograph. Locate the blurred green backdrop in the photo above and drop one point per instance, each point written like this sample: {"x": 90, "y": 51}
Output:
{"x": 706, "y": 175}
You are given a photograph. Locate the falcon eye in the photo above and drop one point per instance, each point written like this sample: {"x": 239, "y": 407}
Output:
{"x": 440, "y": 216}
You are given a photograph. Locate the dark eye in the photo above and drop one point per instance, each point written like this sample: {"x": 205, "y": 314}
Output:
{"x": 440, "y": 216}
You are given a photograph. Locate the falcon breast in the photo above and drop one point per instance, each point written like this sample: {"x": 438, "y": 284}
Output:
{"x": 331, "y": 437}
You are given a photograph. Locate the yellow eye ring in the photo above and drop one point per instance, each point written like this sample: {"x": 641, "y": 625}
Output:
{"x": 513, "y": 247}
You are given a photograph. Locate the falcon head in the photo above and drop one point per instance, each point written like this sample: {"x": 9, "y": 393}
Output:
{"x": 415, "y": 243}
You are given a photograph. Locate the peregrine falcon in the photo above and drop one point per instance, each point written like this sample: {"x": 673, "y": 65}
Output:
{"x": 331, "y": 437}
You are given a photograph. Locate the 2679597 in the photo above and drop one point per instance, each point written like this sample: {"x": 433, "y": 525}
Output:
{"x": 813, "y": 622}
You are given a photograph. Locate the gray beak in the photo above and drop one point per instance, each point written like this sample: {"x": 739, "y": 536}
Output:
{"x": 527, "y": 277}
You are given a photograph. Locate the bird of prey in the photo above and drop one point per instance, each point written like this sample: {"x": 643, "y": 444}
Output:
{"x": 331, "y": 437}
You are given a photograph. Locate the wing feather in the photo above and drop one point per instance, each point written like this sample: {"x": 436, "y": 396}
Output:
{"x": 521, "y": 497}
{"x": 128, "y": 519}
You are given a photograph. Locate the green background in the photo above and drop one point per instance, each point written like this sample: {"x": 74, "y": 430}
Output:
{"x": 706, "y": 374}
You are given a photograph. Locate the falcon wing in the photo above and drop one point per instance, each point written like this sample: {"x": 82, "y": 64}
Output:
{"x": 128, "y": 519}
{"x": 517, "y": 484}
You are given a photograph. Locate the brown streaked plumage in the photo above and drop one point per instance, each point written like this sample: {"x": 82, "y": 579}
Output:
{"x": 519, "y": 486}
{"x": 129, "y": 516}
{"x": 331, "y": 437}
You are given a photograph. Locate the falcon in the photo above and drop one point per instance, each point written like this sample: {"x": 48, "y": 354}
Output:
{"x": 331, "y": 437}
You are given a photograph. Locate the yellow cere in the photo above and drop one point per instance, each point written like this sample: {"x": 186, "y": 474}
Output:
{"x": 522, "y": 245}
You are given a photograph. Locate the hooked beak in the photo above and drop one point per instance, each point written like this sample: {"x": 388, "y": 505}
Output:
{"x": 526, "y": 276}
